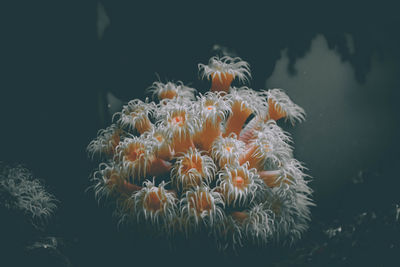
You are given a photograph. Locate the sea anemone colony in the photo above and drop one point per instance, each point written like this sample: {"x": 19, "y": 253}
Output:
{"x": 21, "y": 193}
{"x": 214, "y": 163}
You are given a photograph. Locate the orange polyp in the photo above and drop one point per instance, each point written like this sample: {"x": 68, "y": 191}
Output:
{"x": 237, "y": 119}
{"x": 162, "y": 151}
{"x": 159, "y": 167}
{"x": 144, "y": 125}
{"x": 159, "y": 138}
{"x": 128, "y": 188}
{"x": 178, "y": 120}
{"x": 239, "y": 216}
{"x": 169, "y": 94}
{"x": 200, "y": 203}
{"x": 275, "y": 112}
{"x": 153, "y": 201}
{"x": 181, "y": 145}
{"x": 221, "y": 82}
{"x": 133, "y": 152}
{"x": 270, "y": 178}
{"x": 210, "y": 132}
{"x": 192, "y": 163}
{"x": 248, "y": 157}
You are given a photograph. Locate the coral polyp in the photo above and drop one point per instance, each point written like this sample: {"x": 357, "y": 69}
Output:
{"x": 215, "y": 163}
{"x": 223, "y": 71}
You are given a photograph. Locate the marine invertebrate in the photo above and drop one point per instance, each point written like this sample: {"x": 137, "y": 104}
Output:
{"x": 20, "y": 192}
{"x": 215, "y": 163}
{"x": 192, "y": 169}
{"x": 171, "y": 90}
{"x": 223, "y": 71}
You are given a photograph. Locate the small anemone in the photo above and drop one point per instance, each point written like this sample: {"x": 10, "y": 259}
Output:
{"x": 212, "y": 109}
{"x": 180, "y": 126}
{"x": 281, "y": 106}
{"x": 192, "y": 169}
{"x": 267, "y": 149}
{"x": 136, "y": 114}
{"x": 238, "y": 185}
{"x": 106, "y": 141}
{"x": 134, "y": 156}
{"x": 244, "y": 102}
{"x": 223, "y": 71}
{"x": 226, "y": 150}
{"x": 154, "y": 204}
{"x": 171, "y": 90}
{"x": 201, "y": 207}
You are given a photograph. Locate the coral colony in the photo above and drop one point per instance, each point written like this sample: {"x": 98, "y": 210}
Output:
{"x": 215, "y": 163}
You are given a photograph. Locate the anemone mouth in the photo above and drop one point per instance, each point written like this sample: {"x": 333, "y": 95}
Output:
{"x": 239, "y": 178}
{"x": 159, "y": 137}
{"x": 134, "y": 152}
{"x": 178, "y": 118}
{"x": 239, "y": 182}
{"x": 226, "y": 150}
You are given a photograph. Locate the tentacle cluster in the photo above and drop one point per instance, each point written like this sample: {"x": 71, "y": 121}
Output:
{"x": 214, "y": 163}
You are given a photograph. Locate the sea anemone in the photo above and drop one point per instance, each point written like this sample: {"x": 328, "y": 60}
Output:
{"x": 238, "y": 185}
{"x": 156, "y": 205}
{"x": 106, "y": 142}
{"x": 192, "y": 169}
{"x": 134, "y": 157}
{"x": 201, "y": 208}
{"x": 281, "y": 106}
{"x": 212, "y": 109}
{"x": 227, "y": 150}
{"x": 244, "y": 102}
{"x": 215, "y": 164}
{"x": 171, "y": 90}
{"x": 135, "y": 115}
{"x": 180, "y": 125}
{"x": 223, "y": 71}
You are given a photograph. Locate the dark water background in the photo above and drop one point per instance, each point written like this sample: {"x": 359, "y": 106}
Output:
{"x": 340, "y": 62}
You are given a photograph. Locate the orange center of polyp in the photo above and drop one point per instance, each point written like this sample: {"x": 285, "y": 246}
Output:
{"x": 159, "y": 138}
{"x": 178, "y": 120}
{"x": 238, "y": 181}
{"x": 221, "y": 82}
{"x": 134, "y": 152}
{"x": 167, "y": 94}
{"x": 153, "y": 201}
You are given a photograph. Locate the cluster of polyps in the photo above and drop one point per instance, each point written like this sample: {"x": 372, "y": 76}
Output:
{"x": 216, "y": 163}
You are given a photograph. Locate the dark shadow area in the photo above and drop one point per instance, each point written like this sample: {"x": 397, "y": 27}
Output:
{"x": 57, "y": 73}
